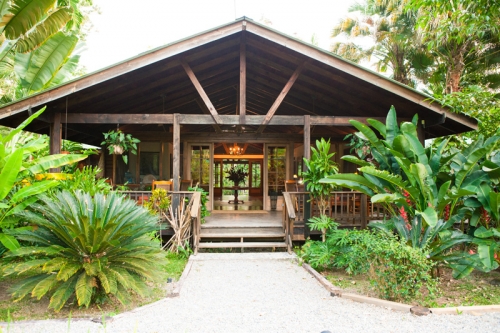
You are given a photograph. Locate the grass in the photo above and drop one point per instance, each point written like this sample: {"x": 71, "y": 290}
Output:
{"x": 31, "y": 309}
{"x": 476, "y": 289}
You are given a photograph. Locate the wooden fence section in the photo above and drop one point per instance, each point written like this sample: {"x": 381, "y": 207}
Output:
{"x": 348, "y": 208}
{"x": 191, "y": 200}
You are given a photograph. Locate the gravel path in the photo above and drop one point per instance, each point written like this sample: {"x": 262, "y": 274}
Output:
{"x": 261, "y": 292}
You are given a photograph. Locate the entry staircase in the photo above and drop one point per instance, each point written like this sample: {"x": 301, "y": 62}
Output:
{"x": 242, "y": 230}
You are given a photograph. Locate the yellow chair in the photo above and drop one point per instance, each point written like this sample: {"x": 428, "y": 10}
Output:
{"x": 164, "y": 184}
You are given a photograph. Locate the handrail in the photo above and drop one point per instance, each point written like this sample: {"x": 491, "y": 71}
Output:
{"x": 289, "y": 204}
{"x": 196, "y": 203}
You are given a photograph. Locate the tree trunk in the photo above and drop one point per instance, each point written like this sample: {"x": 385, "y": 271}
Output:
{"x": 455, "y": 69}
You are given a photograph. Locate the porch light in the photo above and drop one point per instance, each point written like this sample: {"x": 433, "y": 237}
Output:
{"x": 235, "y": 150}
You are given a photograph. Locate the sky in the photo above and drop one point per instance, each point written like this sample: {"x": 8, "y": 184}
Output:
{"x": 124, "y": 28}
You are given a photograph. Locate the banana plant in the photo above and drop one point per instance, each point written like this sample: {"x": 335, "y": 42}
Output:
{"x": 16, "y": 192}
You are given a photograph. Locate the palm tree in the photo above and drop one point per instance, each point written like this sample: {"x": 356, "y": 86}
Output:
{"x": 464, "y": 34}
{"x": 395, "y": 42}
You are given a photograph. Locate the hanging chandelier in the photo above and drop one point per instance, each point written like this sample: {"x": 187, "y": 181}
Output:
{"x": 235, "y": 150}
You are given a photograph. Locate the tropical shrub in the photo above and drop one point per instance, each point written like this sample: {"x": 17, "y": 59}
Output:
{"x": 398, "y": 271}
{"x": 318, "y": 167}
{"x": 414, "y": 182}
{"x": 87, "y": 181}
{"x": 85, "y": 247}
{"x": 18, "y": 185}
{"x": 344, "y": 249}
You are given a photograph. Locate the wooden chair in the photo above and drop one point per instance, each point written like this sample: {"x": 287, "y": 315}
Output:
{"x": 186, "y": 184}
{"x": 290, "y": 186}
{"x": 164, "y": 184}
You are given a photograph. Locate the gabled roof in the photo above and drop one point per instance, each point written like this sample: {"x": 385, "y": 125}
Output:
{"x": 156, "y": 82}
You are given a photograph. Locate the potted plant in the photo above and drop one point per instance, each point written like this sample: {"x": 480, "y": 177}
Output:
{"x": 237, "y": 175}
{"x": 118, "y": 143}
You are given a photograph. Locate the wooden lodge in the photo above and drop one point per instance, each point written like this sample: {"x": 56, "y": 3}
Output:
{"x": 240, "y": 94}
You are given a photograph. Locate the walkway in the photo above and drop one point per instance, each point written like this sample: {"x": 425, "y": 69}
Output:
{"x": 263, "y": 292}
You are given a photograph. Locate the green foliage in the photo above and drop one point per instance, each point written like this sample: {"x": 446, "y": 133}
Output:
{"x": 39, "y": 38}
{"x": 85, "y": 247}
{"x": 86, "y": 180}
{"x": 236, "y": 175}
{"x": 38, "y": 69}
{"x": 345, "y": 249}
{"x": 320, "y": 166}
{"x": 398, "y": 271}
{"x": 158, "y": 202}
{"x": 18, "y": 187}
{"x": 425, "y": 190}
{"x": 126, "y": 142}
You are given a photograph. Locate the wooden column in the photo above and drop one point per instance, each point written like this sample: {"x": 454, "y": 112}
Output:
{"x": 177, "y": 152}
{"x": 162, "y": 157}
{"x": 113, "y": 176}
{"x": 55, "y": 138}
{"x": 307, "y": 154}
{"x": 137, "y": 165}
{"x": 307, "y": 137}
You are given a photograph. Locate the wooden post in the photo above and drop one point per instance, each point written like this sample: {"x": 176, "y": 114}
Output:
{"x": 363, "y": 210}
{"x": 113, "y": 177}
{"x": 162, "y": 157}
{"x": 137, "y": 165}
{"x": 307, "y": 137}
{"x": 55, "y": 138}
{"x": 177, "y": 152}
{"x": 307, "y": 155}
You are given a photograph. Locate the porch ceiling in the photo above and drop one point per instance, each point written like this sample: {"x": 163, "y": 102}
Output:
{"x": 164, "y": 87}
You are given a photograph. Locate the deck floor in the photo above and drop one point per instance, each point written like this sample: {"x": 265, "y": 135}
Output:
{"x": 249, "y": 218}
{"x": 250, "y": 203}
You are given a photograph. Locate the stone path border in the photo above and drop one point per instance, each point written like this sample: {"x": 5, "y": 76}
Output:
{"x": 336, "y": 291}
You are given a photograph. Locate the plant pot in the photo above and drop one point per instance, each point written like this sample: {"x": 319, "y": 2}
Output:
{"x": 64, "y": 152}
{"x": 117, "y": 150}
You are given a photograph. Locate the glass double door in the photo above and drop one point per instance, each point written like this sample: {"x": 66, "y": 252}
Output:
{"x": 252, "y": 185}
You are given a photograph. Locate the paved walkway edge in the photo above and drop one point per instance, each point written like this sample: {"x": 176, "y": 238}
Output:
{"x": 336, "y": 291}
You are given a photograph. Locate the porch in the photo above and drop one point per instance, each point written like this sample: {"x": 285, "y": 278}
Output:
{"x": 255, "y": 228}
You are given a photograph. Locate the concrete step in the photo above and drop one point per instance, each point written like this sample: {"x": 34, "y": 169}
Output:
{"x": 242, "y": 235}
{"x": 203, "y": 245}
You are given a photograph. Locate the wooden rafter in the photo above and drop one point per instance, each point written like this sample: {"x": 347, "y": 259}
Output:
{"x": 243, "y": 80}
{"x": 204, "y": 108}
{"x": 201, "y": 91}
{"x": 281, "y": 97}
{"x": 226, "y": 148}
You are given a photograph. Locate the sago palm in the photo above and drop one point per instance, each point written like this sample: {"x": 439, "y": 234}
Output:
{"x": 85, "y": 246}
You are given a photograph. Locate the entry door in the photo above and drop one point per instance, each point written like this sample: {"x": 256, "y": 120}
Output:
{"x": 256, "y": 179}
{"x": 201, "y": 165}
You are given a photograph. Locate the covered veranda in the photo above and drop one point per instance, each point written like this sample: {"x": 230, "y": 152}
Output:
{"x": 192, "y": 102}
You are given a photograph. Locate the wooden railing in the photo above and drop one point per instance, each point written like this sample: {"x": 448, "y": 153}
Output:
{"x": 191, "y": 199}
{"x": 348, "y": 208}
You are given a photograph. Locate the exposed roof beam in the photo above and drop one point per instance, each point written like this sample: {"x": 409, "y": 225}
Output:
{"x": 281, "y": 97}
{"x": 199, "y": 119}
{"x": 201, "y": 91}
{"x": 204, "y": 108}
